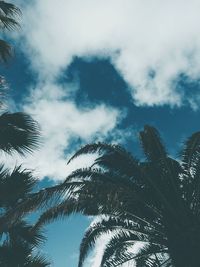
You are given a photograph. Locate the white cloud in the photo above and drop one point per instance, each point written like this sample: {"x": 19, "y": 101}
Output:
{"x": 149, "y": 42}
{"x": 140, "y": 36}
{"x": 64, "y": 127}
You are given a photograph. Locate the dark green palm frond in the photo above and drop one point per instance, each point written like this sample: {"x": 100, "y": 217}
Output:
{"x": 94, "y": 174}
{"x": 18, "y": 132}
{"x": 152, "y": 255}
{"x": 9, "y": 9}
{"x": 8, "y": 23}
{"x": 120, "y": 249}
{"x": 99, "y": 148}
{"x": 191, "y": 162}
{"x": 45, "y": 198}
{"x": 121, "y": 161}
{"x": 67, "y": 208}
{"x": 193, "y": 195}
{"x": 9, "y": 16}
{"x": 111, "y": 225}
{"x": 152, "y": 144}
{"x": 37, "y": 261}
{"x": 20, "y": 179}
{"x": 21, "y": 232}
{"x": 164, "y": 171}
{"x": 99, "y": 186}
{"x": 6, "y": 51}
{"x": 191, "y": 151}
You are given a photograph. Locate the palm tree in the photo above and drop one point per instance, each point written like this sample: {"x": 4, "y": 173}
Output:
{"x": 149, "y": 209}
{"x": 19, "y": 239}
{"x": 9, "y": 16}
{"x": 19, "y": 133}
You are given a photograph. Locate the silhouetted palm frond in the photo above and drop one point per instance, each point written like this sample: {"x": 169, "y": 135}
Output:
{"x": 18, "y": 132}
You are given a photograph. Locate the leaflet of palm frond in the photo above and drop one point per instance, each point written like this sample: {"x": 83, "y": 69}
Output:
{"x": 165, "y": 185}
{"x": 157, "y": 260}
{"x": 152, "y": 144}
{"x": 116, "y": 178}
{"x": 96, "y": 148}
{"x": 9, "y": 9}
{"x": 119, "y": 160}
{"x": 152, "y": 256}
{"x": 43, "y": 199}
{"x": 156, "y": 154}
{"x": 21, "y": 232}
{"x": 18, "y": 132}
{"x": 67, "y": 208}
{"x": 37, "y": 261}
{"x": 101, "y": 185}
{"x": 111, "y": 225}
{"x": 190, "y": 152}
{"x": 18, "y": 178}
{"x": 118, "y": 251}
{"x": 194, "y": 199}
{"x": 191, "y": 161}
{"x": 6, "y": 51}
{"x": 8, "y": 23}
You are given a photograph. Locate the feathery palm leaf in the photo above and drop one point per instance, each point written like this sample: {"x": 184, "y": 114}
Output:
{"x": 18, "y": 132}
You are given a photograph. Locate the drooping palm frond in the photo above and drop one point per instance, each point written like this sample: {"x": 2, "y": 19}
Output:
{"x": 9, "y": 9}
{"x": 190, "y": 156}
{"x": 121, "y": 248}
{"x": 6, "y": 51}
{"x": 9, "y": 181}
{"x": 23, "y": 232}
{"x": 102, "y": 148}
{"x": 18, "y": 132}
{"x": 152, "y": 144}
{"x": 37, "y": 261}
{"x": 190, "y": 152}
{"x": 9, "y": 15}
{"x": 151, "y": 255}
{"x": 155, "y": 202}
{"x": 111, "y": 225}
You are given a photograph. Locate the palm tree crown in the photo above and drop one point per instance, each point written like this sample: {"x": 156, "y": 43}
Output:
{"x": 9, "y": 16}
{"x": 150, "y": 209}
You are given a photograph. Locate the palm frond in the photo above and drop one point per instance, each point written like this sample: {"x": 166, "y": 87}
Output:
{"x": 9, "y": 9}
{"x": 8, "y": 23}
{"x": 67, "y": 208}
{"x": 120, "y": 161}
{"x": 190, "y": 156}
{"x": 9, "y": 16}
{"x": 37, "y": 261}
{"x": 121, "y": 249}
{"x": 99, "y": 148}
{"x": 18, "y": 178}
{"x": 191, "y": 150}
{"x": 111, "y": 225}
{"x": 152, "y": 144}
{"x": 18, "y": 132}
{"x": 6, "y": 51}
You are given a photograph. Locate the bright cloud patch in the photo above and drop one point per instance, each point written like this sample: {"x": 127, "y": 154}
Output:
{"x": 150, "y": 42}
{"x": 63, "y": 123}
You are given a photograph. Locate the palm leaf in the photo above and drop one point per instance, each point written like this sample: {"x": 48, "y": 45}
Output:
{"x": 9, "y": 9}
{"x": 111, "y": 225}
{"x": 18, "y": 132}
{"x": 6, "y": 51}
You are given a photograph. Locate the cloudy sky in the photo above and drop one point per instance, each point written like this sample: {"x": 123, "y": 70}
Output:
{"x": 99, "y": 70}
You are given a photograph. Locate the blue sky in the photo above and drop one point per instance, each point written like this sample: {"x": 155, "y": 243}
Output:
{"x": 94, "y": 70}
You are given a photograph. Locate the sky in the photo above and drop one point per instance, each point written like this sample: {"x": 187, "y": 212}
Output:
{"x": 99, "y": 70}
